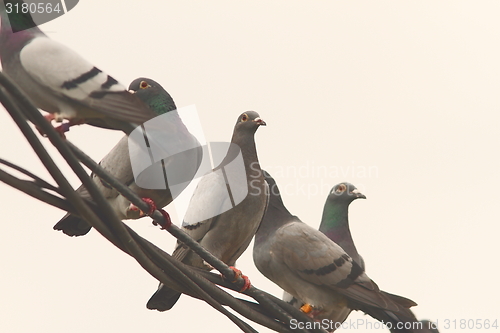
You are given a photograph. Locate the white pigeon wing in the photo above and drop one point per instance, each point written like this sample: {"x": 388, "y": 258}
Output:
{"x": 210, "y": 199}
{"x": 59, "y": 65}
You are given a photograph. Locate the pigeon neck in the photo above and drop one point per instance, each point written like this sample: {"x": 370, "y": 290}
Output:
{"x": 335, "y": 225}
{"x": 276, "y": 216}
{"x": 161, "y": 104}
{"x": 249, "y": 153}
{"x": 335, "y": 217}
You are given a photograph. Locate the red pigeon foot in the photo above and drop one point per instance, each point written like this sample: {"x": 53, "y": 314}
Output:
{"x": 237, "y": 274}
{"x": 61, "y": 129}
{"x": 168, "y": 221}
{"x": 151, "y": 205}
{"x": 66, "y": 126}
{"x": 49, "y": 117}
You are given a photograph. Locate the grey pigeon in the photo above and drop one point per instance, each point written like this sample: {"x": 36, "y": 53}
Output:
{"x": 215, "y": 219}
{"x": 311, "y": 267}
{"x": 118, "y": 163}
{"x": 335, "y": 224}
{"x": 60, "y": 81}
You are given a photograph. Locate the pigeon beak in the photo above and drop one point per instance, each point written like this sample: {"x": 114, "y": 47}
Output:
{"x": 358, "y": 194}
{"x": 259, "y": 121}
{"x": 132, "y": 91}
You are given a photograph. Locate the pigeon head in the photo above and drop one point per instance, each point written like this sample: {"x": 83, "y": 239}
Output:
{"x": 249, "y": 121}
{"x": 345, "y": 192}
{"x": 153, "y": 94}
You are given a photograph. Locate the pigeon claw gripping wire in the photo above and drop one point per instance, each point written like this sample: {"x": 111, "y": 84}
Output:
{"x": 49, "y": 117}
{"x": 151, "y": 204}
{"x": 61, "y": 129}
{"x": 168, "y": 221}
{"x": 237, "y": 274}
{"x": 246, "y": 285}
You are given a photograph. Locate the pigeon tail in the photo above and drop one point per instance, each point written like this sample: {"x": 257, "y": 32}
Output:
{"x": 73, "y": 225}
{"x": 402, "y": 321}
{"x": 163, "y": 299}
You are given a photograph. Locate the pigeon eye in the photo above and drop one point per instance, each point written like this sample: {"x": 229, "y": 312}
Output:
{"x": 244, "y": 117}
{"x": 341, "y": 188}
{"x": 144, "y": 85}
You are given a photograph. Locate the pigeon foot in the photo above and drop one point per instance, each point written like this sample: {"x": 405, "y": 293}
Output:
{"x": 237, "y": 274}
{"x": 168, "y": 222}
{"x": 61, "y": 129}
{"x": 137, "y": 210}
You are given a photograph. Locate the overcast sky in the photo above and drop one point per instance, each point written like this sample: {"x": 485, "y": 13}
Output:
{"x": 400, "y": 98}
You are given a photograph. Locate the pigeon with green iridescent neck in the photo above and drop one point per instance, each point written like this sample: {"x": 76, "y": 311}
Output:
{"x": 118, "y": 162}
{"x": 313, "y": 268}
{"x": 335, "y": 224}
{"x": 335, "y": 221}
{"x": 60, "y": 81}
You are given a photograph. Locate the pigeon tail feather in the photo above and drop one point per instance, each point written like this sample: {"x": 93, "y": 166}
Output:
{"x": 73, "y": 225}
{"x": 163, "y": 299}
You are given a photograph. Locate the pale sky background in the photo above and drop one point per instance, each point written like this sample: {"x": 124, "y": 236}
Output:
{"x": 401, "y": 98}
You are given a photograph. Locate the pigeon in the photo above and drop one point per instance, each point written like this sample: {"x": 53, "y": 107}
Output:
{"x": 118, "y": 163}
{"x": 335, "y": 224}
{"x": 61, "y": 82}
{"x": 311, "y": 267}
{"x": 223, "y": 224}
